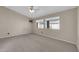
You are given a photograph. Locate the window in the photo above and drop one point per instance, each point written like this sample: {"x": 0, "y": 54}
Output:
{"x": 45, "y": 24}
{"x": 50, "y": 23}
{"x": 54, "y": 23}
{"x": 40, "y": 24}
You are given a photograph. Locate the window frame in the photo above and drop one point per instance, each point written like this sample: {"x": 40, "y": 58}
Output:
{"x": 46, "y": 24}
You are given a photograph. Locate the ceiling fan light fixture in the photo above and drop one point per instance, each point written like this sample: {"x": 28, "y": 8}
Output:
{"x": 31, "y": 11}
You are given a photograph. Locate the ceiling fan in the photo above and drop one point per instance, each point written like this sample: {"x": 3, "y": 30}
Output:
{"x": 32, "y": 9}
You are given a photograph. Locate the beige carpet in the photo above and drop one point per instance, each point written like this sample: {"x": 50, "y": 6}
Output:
{"x": 34, "y": 43}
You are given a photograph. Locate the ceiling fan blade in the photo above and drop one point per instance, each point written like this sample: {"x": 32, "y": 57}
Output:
{"x": 35, "y": 8}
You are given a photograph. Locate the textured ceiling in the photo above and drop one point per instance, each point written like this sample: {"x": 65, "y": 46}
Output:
{"x": 41, "y": 10}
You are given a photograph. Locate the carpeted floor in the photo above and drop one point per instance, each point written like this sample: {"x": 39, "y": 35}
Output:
{"x": 34, "y": 43}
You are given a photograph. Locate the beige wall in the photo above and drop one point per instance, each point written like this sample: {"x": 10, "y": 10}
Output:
{"x": 68, "y": 27}
{"x": 78, "y": 28}
{"x": 13, "y": 23}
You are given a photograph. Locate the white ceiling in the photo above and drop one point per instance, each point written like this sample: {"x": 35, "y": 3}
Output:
{"x": 42, "y": 10}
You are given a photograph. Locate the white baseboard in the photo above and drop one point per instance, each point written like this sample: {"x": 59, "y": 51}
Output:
{"x": 41, "y": 35}
{"x": 57, "y": 39}
{"x": 14, "y": 35}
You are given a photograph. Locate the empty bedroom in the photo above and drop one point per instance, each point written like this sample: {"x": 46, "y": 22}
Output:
{"x": 39, "y": 28}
